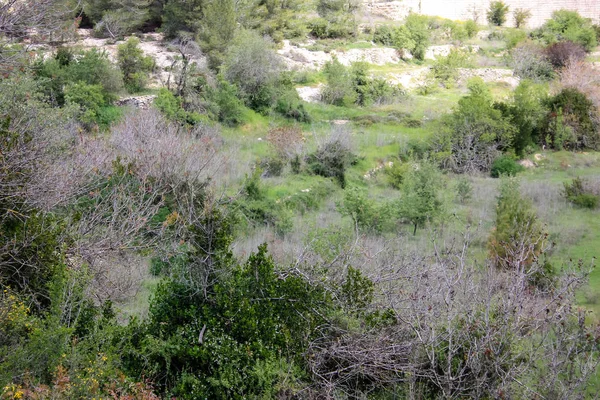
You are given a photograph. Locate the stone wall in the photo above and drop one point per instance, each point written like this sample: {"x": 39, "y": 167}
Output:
{"x": 464, "y": 9}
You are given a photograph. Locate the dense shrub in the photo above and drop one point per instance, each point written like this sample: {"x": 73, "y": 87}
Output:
{"x": 339, "y": 89}
{"x": 513, "y": 37}
{"x": 464, "y": 190}
{"x": 134, "y": 65}
{"x": 337, "y": 19}
{"x": 505, "y": 166}
{"x": 367, "y": 214}
{"x": 116, "y": 18}
{"x": 417, "y": 25}
{"x": 445, "y": 69}
{"x": 420, "y": 200}
{"x": 475, "y": 134}
{"x": 568, "y": 25}
{"x": 518, "y": 238}
{"x": 253, "y": 66}
{"x": 331, "y": 158}
{"x": 571, "y": 121}
{"x": 94, "y": 106}
{"x": 578, "y": 193}
{"x": 527, "y": 112}
{"x": 496, "y": 14}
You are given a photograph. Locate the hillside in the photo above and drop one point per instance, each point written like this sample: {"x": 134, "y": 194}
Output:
{"x": 332, "y": 199}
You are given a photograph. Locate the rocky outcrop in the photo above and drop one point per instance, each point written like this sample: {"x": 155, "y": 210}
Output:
{"x": 142, "y": 102}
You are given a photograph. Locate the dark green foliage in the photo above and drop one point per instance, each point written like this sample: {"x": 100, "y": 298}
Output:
{"x": 496, "y": 14}
{"x": 172, "y": 107}
{"x": 134, "y": 65}
{"x": 570, "y": 123}
{"x": 518, "y": 238}
{"x": 505, "y": 166}
{"x": 116, "y": 18}
{"x": 254, "y": 67}
{"x": 181, "y": 16}
{"x": 347, "y": 86}
{"x": 396, "y": 172}
{"x": 445, "y": 69}
{"x": 218, "y": 346}
{"x": 337, "y": 19}
{"x": 568, "y": 25}
{"x": 217, "y": 30}
{"x": 357, "y": 291}
{"x": 95, "y": 108}
{"x": 577, "y": 193}
{"x": 331, "y": 160}
{"x": 88, "y": 68}
{"x": 257, "y": 208}
{"x": 528, "y": 113}
{"x": 399, "y": 37}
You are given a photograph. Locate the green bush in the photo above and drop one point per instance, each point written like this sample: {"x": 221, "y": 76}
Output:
{"x": 396, "y": 173}
{"x": 496, "y": 14}
{"x": 417, "y": 25}
{"x": 586, "y": 200}
{"x": 339, "y": 89}
{"x": 568, "y": 25}
{"x": 464, "y": 190}
{"x": 577, "y": 193}
{"x": 505, "y": 166}
{"x": 134, "y": 65}
{"x": 89, "y": 98}
{"x": 368, "y": 215}
{"x": 571, "y": 121}
{"x": 445, "y": 69}
{"x": 471, "y": 28}
{"x": 171, "y": 106}
{"x": 331, "y": 160}
{"x": 513, "y": 37}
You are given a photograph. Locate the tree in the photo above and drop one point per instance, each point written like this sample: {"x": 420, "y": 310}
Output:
{"x": 572, "y": 121}
{"x": 496, "y": 14}
{"x": 419, "y": 34}
{"x": 521, "y": 16}
{"x": 518, "y": 238}
{"x": 217, "y": 30}
{"x": 181, "y": 16}
{"x": 116, "y": 18}
{"x": 339, "y": 89}
{"x": 253, "y": 66}
{"x": 476, "y": 132}
{"x": 527, "y": 112}
{"x": 42, "y": 19}
{"x": 420, "y": 200}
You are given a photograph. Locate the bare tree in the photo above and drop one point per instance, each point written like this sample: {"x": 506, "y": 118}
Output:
{"x": 21, "y": 19}
{"x": 454, "y": 329}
